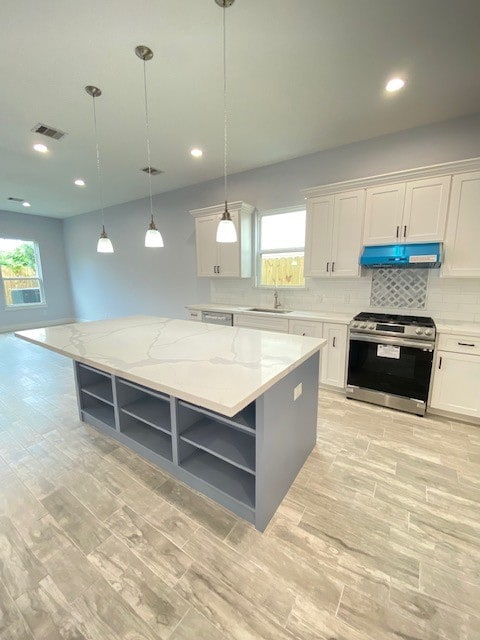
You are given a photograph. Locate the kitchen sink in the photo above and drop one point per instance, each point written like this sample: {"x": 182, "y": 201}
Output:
{"x": 269, "y": 310}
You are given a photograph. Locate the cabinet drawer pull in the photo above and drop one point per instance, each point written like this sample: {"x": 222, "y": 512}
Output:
{"x": 398, "y": 230}
{"x": 405, "y": 231}
{"x": 466, "y": 344}
{"x": 304, "y": 334}
{"x": 327, "y": 266}
{"x": 440, "y": 363}
{"x": 334, "y": 341}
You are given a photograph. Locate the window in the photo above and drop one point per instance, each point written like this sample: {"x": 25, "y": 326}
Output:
{"x": 20, "y": 273}
{"x": 281, "y": 244}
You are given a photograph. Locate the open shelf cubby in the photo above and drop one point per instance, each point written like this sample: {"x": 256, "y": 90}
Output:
{"x": 222, "y": 441}
{"x": 97, "y": 409}
{"x": 244, "y": 420}
{"x": 146, "y": 406}
{"x": 234, "y": 482}
{"x": 96, "y": 383}
{"x": 147, "y": 436}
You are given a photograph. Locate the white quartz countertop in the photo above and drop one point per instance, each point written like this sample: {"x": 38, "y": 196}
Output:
{"x": 457, "y": 327}
{"x": 216, "y": 367}
{"x": 317, "y": 316}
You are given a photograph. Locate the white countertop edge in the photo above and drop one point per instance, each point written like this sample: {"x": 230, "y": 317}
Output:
{"x": 314, "y": 316}
{"x": 226, "y": 410}
{"x": 458, "y": 327}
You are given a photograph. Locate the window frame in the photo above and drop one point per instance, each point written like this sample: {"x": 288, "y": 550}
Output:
{"x": 259, "y": 252}
{"x": 38, "y": 277}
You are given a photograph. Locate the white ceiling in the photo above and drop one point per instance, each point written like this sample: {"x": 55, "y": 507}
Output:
{"x": 304, "y": 75}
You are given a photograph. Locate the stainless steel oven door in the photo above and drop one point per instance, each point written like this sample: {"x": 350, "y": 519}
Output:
{"x": 382, "y": 369}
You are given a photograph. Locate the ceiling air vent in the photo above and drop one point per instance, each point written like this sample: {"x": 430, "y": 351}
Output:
{"x": 16, "y": 199}
{"x": 50, "y": 132}
{"x": 152, "y": 171}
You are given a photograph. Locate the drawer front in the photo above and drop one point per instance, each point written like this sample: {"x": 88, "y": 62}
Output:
{"x": 196, "y": 316}
{"x": 459, "y": 344}
{"x": 306, "y": 328}
{"x": 260, "y": 322}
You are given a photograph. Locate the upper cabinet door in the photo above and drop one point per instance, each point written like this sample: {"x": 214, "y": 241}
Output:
{"x": 425, "y": 212}
{"x": 229, "y": 252}
{"x": 384, "y": 213}
{"x": 348, "y": 215}
{"x": 318, "y": 237}
{"x": 207, "y": 252}
{"x": 462, "y": 238}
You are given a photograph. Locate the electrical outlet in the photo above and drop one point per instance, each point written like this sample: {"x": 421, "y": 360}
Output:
{"x": 297, "y": 392}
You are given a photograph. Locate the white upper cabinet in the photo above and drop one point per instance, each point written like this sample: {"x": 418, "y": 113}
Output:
{"x": 318, "y": 236}
{"x": 334, "y": 234}
{"x": 227, "y": 260}
{"x": 462, "y": 239}
{"x": 383, "y": 214}
{"x": 413, "y": 211}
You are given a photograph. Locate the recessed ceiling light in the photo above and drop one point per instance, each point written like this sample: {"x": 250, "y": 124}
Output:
{"x": 196, "y": 152}
{"x": 41, "y": 148}
{"x": 395, "y": 84}
{"x": 79, "y": 182}
{"x": 26, "y": 204}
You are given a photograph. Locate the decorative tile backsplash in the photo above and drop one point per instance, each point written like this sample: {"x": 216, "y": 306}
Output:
{"x": 405, "y": 288}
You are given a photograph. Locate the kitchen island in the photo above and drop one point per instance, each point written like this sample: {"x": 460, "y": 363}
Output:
{"x": 230, "y": 411}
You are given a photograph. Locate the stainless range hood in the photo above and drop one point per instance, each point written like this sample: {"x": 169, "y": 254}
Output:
{"x": 426, "y": 255}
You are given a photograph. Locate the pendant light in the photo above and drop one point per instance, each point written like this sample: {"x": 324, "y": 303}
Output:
{"x": 153, "y": 237}
{"x": 104, "y": 244}
{"x": 226, "y": 231}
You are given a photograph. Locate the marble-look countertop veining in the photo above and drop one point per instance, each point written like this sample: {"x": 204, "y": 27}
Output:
{"x": 317, "y": 316}
{"x": 216, "y": 367}
{"x": 458, "y": 327}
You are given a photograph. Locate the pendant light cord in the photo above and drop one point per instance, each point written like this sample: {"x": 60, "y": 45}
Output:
{"x": 99, "y": 179}
{"x": 225, "y": 119}
{"x": 147, "y": 127}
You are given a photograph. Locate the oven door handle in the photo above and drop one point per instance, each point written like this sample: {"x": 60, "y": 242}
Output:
{"x": 398, "y": 342}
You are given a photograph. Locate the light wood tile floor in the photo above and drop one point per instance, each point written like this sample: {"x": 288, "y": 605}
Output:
{"x": 378, "y": 538}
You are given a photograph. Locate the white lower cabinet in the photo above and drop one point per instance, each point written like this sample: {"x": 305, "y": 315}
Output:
{"x": 333, "y": 356}
{"x": 456, "y": 377}
{"x": 334, "y": 360}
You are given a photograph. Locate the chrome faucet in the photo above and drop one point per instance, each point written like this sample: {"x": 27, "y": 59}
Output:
{"x": 276, "y": 302}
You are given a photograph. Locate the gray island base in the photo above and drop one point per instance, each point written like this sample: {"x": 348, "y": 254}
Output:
{"x": 229, "y": 411}
{"x": 245, "y": 463}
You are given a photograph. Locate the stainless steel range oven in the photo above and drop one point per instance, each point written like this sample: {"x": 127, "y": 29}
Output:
{"x": 390, "y": 360}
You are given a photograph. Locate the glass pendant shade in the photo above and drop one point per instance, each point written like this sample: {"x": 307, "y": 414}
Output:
{"x": 104, "y": 244}
{"x": 226, "y": 231}
{"x": 153, "y": 237}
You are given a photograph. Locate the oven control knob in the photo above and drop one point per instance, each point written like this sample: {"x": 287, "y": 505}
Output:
{"x": 363, "y": 325}
{"x": 355, "y": 325}
{"x": 428, "y": 332}
{"x": 419, "y": 331}
{"x": 371, "y": 326}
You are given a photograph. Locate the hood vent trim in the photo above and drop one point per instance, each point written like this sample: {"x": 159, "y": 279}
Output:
{"x": 49, "y": 132}
{"x": 418, "y": 256}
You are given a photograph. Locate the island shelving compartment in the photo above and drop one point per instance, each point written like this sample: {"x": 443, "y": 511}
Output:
{"x": 96, "y": 401}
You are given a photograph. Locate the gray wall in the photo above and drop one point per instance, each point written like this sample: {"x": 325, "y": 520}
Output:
{"x": 48, "y": 232}
{"x": 138, "y": 280}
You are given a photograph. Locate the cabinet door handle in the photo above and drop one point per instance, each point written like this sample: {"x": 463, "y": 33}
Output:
{"x": 304, "y": 334}
{"x": 398, "y": 230}
{"x": 328, "y": 264}
{"x": 334, "y": 341}
{"x": 405, "y": 231}
{"x": 466, "y": 344}
{"x": 440, "y": 363}
{"x": 218, "y": 268}
{"x": 333, "y": 267}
